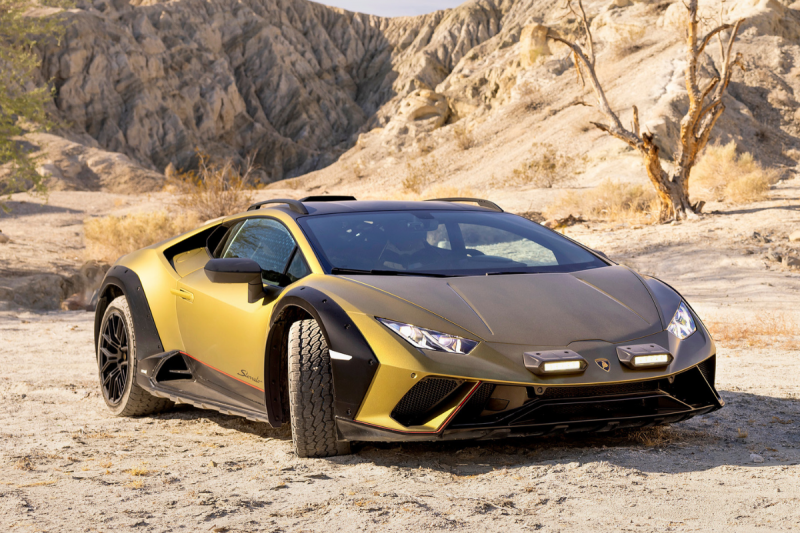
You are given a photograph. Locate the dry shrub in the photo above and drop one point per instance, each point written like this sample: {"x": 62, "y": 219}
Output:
{"x": 611, "y": 201}
{"x": 725, "y": 175}
{"x": 762, "y": 329}
{"x": 463, "y": 136}
{"x": 138, "y": 471}
{"x": 215, "y": 189}
{"x": 435, "y": 191}
{"x": 419, "y": 176}
{"x": 548, "y": 167}
{"x": 109, "y": 238}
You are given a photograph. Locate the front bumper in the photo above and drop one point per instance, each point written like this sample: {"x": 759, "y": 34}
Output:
{"x": 604, "y": 396}
{"x": 595, "y": 408}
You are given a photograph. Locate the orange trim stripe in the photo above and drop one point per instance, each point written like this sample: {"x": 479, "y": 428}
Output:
{"x": 221, "y": 372}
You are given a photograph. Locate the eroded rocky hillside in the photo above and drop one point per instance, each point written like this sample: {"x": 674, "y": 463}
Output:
{"x": 303, "y": 86}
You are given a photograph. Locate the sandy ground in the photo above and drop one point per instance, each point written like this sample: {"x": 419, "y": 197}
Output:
{"x": 67, "y": 465}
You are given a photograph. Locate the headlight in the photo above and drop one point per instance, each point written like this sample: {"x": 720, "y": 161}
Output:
{"x": 430, "y": 340}
{"x": 682, "y": 324}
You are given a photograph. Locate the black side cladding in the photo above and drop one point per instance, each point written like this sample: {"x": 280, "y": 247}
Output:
{"x": 351, "y": 379}
{"x": 148, "y": 342}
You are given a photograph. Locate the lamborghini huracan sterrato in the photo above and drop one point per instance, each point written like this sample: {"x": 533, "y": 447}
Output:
{"x": 397, "y": 321}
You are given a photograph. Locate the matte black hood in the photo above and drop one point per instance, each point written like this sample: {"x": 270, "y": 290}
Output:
{"x": 610, "y": 304}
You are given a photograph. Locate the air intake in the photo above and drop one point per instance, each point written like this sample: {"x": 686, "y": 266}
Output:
{"x": 422, "y": 399}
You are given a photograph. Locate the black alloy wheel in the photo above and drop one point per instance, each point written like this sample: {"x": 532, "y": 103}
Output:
{"x": 114, "y": 362}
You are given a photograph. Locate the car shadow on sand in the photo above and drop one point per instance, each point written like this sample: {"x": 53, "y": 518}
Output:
{"x": 749, "y": 424}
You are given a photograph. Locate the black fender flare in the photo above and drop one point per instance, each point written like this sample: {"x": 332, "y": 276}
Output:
{"x": 120, "y": 279}
{"x": 351, "y": 378}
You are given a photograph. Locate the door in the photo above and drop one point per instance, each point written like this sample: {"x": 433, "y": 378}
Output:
{"x": 220, "y": 329}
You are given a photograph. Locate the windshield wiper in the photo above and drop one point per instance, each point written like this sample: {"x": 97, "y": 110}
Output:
{"x": 337, "y": 270}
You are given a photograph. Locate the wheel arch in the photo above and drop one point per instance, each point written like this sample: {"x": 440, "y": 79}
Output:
{"x": 122, "y": 281}
{"x": 351, "y": 378}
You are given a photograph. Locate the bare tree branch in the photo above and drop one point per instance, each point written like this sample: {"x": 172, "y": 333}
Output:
{"x": 710, "y": 35}
{"x": 636, "y": 122}
{"x": 710, "y": 87}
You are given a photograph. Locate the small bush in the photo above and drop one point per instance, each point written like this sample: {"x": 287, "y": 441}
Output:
{"x": 463, "y": 136}
{"x": 610, "y": 201}
{"x": 764, "y": 329}
{"x": 419, "y": 176}
{"x": 548, "y": 167}
{"x": 109, "y": 238}
{"x": 722, "y": 174}
{"x": 215, "y": 189}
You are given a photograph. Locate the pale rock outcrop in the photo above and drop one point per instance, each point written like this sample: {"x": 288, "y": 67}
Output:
{"x": 71, "y": 166}
{"x": 291, "y": 81}
{"x": 533, "y": 44}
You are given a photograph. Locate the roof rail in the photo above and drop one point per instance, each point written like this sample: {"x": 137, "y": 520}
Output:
{"x": 328, "y": 198}
{"x": 294, "y": 205}
{"x": 483, "y": 203}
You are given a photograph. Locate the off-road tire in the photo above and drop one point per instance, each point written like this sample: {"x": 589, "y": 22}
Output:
{"x": 135, "y": 401}
{"x": 311, "y": 393}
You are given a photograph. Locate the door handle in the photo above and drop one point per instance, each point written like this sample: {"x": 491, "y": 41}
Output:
{"x": 184, "y": 294}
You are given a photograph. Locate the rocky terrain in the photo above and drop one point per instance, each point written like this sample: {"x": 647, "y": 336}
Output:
{"x": 67, "y": 465}
{"x": 458, "y": 101}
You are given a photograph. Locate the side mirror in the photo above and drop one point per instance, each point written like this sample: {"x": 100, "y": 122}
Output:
{"x": 234, "y": 270}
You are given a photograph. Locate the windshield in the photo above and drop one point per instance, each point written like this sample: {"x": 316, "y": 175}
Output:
{"x": 447, "y": 243}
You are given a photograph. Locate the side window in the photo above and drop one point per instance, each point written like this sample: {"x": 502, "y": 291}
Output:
{"x": 298, "y": 269}
{"x": 263, "y": 240}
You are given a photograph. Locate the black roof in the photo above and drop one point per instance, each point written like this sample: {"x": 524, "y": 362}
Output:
{"x": 296, "y": 207}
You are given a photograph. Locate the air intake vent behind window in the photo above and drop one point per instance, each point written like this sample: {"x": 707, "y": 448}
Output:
{"x": 422, "y": 398}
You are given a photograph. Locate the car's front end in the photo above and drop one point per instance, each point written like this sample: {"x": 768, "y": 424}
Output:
{"x": 526, "y": 351}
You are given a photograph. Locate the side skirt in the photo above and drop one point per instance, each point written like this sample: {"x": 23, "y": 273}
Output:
{"x": 184, "y": 379}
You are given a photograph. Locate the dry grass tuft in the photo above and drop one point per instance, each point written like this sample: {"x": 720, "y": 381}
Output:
{"x": 654, "y": 436}
{"x": 215, "y": 189}
{"x": 138, "y": 471}
{"x": 611, "y": 201}
{"x": 24, "y": 463}
{"x": 138, "y": 484}
{"x": 546, "y": 168}
{"x": 764, "y": 329}
{"x": 463, "y": 136}
{"x": 722, "y": 174}
{"x": 109, "y": 238}
{"x": 38, "y": 484}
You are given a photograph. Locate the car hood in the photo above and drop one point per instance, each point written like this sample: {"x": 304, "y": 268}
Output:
{"x": 610, "y": 304}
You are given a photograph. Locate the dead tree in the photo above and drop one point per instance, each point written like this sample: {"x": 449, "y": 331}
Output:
{"x": 705, "y": 108}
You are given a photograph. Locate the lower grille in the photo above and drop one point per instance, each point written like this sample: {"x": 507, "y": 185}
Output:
{"x": 474, "y": 406}
{"x": 552, "y": 393}
{"x": 708, "y": 369}
{"x": 422, "y": 398}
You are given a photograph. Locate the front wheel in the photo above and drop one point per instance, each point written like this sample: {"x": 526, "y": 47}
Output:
{"x": 116, "y": 365}
{"x": 311, "y": 393}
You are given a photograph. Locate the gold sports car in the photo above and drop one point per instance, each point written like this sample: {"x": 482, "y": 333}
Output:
{"x": 397, "y": 321}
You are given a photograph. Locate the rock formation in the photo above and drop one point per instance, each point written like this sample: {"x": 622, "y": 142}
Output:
{"x": 298, "y": 83}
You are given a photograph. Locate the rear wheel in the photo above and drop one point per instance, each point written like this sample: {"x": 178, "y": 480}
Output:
{"x": 311, "y": 393}
{"x": 116, "y": 364}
